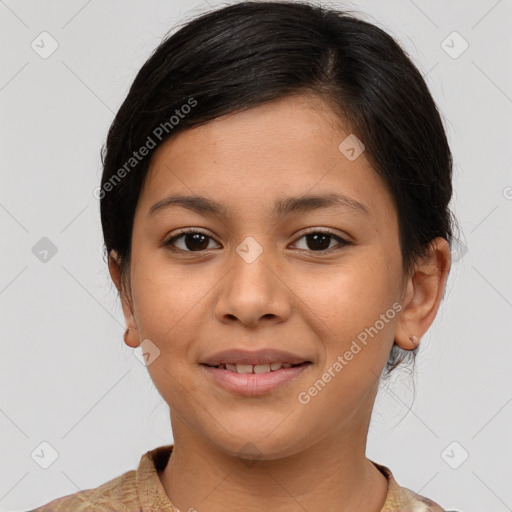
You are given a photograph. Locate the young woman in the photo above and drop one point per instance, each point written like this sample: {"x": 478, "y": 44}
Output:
{"x": 275, "y": 210}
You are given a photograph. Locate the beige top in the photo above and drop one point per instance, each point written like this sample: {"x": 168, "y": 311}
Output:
{"x": 141, "y": 491}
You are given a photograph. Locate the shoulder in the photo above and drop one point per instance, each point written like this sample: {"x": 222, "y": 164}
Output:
{"x": 133, "y": 491}
{"x": 423, "y": 504}
{"x": 402, "y": 498}
{"x": 119, "y": 494}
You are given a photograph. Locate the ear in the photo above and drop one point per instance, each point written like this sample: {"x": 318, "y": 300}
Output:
{"x": 131, "y": 335}
{"x": 423, "y": 294}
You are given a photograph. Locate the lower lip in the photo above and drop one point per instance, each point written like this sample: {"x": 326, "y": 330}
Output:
{"x": 254, "y": 384}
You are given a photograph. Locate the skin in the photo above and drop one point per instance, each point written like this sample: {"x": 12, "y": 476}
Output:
{"x": 312, "y": 303}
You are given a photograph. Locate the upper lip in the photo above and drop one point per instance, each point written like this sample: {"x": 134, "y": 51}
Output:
{"x": 264, "y": 356}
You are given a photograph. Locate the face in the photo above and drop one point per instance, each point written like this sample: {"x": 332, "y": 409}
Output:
{"x": 313, "y": 280}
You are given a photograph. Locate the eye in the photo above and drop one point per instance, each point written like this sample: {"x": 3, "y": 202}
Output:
{"x": 320, "y": 240}
{"x": 192, "y": 240}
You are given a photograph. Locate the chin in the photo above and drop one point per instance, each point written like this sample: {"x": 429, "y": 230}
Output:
{"x": 251, "y": 448}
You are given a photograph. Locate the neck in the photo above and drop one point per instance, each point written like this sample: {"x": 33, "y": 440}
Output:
{"x": 332, "y": 474}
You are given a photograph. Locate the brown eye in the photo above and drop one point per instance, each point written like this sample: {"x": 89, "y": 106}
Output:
{"x": 320, "y": 241}
{"x": 190, "y": 241}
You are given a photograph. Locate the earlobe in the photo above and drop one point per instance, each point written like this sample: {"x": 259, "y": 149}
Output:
{"x": 131, "y": 334}
{"x": 414, "y": 340}
{"x": 423, "y": 295}
{"x": 131, "y": 337}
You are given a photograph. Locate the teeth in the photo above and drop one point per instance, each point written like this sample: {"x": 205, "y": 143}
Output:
{"x": 244, "y": 368}
{"x": 261, "y": 368}
{"x": 256, "y": 368}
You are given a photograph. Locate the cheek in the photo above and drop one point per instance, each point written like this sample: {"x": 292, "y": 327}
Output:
{"x": 166, "y": 306}
{"x": 353, "y": 292}
{"x": 165, "y": 296}
{"x": 353, "y": 303}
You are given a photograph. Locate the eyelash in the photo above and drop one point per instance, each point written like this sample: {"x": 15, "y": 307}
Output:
{"x": 342, "y": 241}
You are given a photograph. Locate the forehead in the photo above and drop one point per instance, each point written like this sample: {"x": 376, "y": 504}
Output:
{"x": 244, "y": 159}
{"x": 271, "y": 132}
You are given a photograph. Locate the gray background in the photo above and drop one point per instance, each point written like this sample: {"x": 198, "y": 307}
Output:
{"x": 66, "y": 377}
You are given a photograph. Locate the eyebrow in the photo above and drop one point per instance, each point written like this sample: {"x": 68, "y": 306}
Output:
{"x": 282, "y": 206}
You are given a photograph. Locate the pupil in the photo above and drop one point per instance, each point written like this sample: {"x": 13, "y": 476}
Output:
{"x": 197, "y": 243}
{"x": 318, "y": 239}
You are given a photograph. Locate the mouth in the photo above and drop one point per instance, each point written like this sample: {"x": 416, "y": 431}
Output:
{"x": 255, "y": 380}
{"x": 257, "y": 368}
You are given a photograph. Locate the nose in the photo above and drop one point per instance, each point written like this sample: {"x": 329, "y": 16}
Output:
{"x": 253, "y": 290}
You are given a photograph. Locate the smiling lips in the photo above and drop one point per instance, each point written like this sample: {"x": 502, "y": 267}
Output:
{"x": 255, "y": 384}
{"x": 254, "y": 373}
{"x": 255, "y": 368}
{"x": 240, "y": 360}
